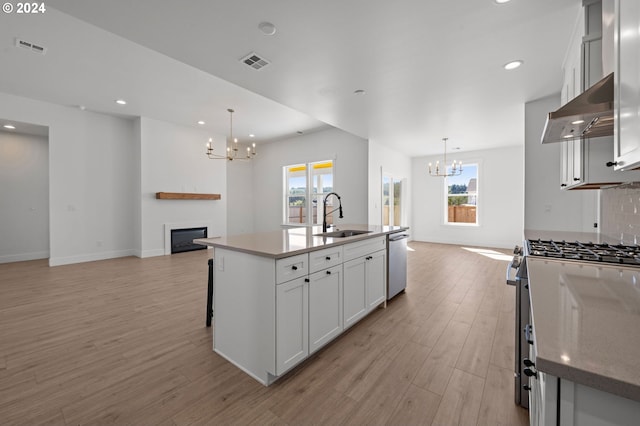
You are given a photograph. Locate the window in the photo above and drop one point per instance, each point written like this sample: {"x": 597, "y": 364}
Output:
{"x": 392, "y": 199}
{"x": 305, "y": 187}
{"x": 461, "y": 196}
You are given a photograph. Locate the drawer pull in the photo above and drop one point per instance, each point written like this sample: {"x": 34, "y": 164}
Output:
{"x": 328, "y": 272}
{"x": 306, "y": 280}
{"x": 294, "y": 267}
{"x": 328, "y": 257}
{"x": 368, "y": 257}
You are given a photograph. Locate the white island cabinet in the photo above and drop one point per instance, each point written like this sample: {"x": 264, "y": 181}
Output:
{"x": 273, "y": 307}
{"x": 584, "y": 335}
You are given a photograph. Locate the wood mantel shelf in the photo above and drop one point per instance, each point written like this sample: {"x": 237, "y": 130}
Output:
{"x": 185, "y": 196}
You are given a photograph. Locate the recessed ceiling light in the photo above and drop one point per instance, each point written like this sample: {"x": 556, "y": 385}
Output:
{"x": 513, "y": 64}
{"x": 267, "y": 28}
{"x": 567, "y": 136}
{"x": 202, "y": 123}
{"x": 251, "y": 135}
{"x": 121, "y": 102}
{"x": 501, "y": 1}
{"x": 9, "y": 126}
{"x": 577, "y": 122}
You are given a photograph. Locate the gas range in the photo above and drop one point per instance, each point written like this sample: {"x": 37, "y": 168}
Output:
{"x": 619, "y": 254}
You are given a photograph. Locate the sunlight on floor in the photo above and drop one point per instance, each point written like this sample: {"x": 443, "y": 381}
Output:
{"x": 492, "y": 254}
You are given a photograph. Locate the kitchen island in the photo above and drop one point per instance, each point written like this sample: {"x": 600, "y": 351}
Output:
{"x": 280, "y": 296}
{"x": 585, "y": 339}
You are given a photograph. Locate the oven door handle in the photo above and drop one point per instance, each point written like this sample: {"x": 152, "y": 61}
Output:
{"x": 509, "y": 268}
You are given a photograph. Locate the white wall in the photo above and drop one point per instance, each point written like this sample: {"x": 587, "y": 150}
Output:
{"x": 173, "y": 160}
{"x": 546, "y": 206}
{"x": 24, "y": 197}
{"x": 350, "y": 174}
{"x": 500, "y": 200}
{"x": 91, "y": 198}
{"x": 383, "y": 159}
{"x": 240, "y": 193}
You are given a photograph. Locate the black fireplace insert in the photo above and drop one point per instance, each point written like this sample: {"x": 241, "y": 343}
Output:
{"x": 182, "y": 239}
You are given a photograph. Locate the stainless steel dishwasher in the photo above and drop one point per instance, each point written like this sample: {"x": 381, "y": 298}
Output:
{"x": 397, "y": 264}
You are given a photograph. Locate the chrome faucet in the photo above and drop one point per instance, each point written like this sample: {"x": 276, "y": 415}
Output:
{"x": 324, "y": 205}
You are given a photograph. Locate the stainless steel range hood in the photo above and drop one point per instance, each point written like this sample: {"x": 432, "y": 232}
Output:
{"x": 589, "y": 114}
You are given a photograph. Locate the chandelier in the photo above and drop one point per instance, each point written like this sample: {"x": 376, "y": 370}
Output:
{"x": 232, "y": 146}
{"x": 456, "y": 168}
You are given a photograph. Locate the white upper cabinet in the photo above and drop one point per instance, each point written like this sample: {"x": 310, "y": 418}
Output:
{"x": 586, "y": 162}
{"x": 627, "y": 85}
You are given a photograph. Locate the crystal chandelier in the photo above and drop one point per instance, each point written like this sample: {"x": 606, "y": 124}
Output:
{"x": 456, "y": 168}
{"x": 232, "y": 146}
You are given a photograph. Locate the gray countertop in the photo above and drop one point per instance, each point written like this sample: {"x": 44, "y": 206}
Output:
{"x": 292, "y": 241}
{"x": 586, "y": 322}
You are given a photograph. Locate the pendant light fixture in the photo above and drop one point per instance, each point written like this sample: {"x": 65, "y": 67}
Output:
{"x": 456, "y": 168}
{"x": 232, "y": 146}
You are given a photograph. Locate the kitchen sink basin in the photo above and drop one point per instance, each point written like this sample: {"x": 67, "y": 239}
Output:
{"x": 342, "y": 234}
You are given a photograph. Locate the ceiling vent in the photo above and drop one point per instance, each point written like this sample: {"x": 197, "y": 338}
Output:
{"x": 255, "y": 61}
{"x": 30, "y": 46}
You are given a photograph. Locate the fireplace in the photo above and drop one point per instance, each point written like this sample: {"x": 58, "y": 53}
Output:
{"x": 181, "y": 239}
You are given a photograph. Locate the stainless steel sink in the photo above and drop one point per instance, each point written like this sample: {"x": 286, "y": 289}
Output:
{"x": 342, "y": 234}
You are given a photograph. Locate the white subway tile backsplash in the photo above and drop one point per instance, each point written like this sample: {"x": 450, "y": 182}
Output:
{"x": 620, "y": 207}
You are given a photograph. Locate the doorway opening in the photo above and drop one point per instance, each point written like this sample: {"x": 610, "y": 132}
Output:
{"x": 24, "y": 191}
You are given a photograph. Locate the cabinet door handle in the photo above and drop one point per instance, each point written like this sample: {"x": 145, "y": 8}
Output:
{"x": 328, "y": 272}
{"x": 575, "y": 179}
{"x": 306, "y": 280}
{"x": 563, "y": 185}
{"x": 328, "y": 257}
{"x": 294, "y": 267}
{"x": 368, "y": 257}
{"x": 528, "y": 363}
{"x": 611, "y": 163}
{"x": 527, "y": 388}
{"x": 530, "y": 373}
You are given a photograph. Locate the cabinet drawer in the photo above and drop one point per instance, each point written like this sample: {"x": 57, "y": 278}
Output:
{"x": 291, "y": 268}
{"x": 325, "y": 258}
{"x": 361, "y": 248}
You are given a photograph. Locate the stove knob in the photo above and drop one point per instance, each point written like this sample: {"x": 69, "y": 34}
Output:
{"x": 527, "y": 388}
{"x": 530, "y": 373}
{"x": 528, "y": 363}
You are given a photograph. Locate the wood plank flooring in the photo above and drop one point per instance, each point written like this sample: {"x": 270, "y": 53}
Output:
{"x": 123, "y": 341}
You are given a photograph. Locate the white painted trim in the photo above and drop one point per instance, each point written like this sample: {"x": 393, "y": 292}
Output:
{"x": 57, "y": 261}
{"x": 153, "y": 253}
{"x": 24, "y": 256}
{"x": 168, "y": 227}
{"x": 461, "y": 242}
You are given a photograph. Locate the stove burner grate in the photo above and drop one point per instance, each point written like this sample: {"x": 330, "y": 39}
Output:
{"x": 587, "y": 252}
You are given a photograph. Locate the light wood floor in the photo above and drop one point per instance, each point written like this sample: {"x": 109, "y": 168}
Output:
{"x": 123, "y": 341}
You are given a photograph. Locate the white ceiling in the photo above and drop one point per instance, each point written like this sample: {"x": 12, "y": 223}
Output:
{"x": 430, "y": 69}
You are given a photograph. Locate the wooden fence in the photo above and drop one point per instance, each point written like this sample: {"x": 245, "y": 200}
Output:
{"x": 462, "y": 214}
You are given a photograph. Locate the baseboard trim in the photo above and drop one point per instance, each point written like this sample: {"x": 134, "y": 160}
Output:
{"x": 9, "y": 258}
{"x": 152, "y": 253}
{"x": 67, "y": 260}
{"x": 487, "y": 244}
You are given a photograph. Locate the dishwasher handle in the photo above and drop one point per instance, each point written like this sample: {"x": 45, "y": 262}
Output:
{"x": 398, "y": 236}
